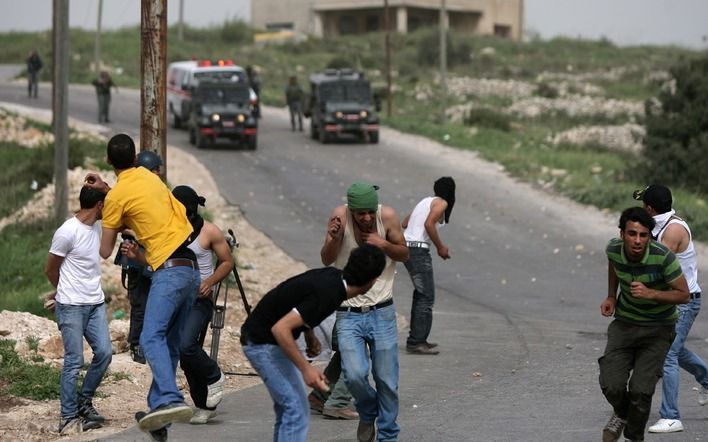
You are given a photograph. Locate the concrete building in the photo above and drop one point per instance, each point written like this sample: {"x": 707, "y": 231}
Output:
{"x": 327, "y": 18}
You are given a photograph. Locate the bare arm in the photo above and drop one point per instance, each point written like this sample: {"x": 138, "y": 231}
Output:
{"x": 54, "y": 262}
{"x": 675, "y": 238}
{"x": 220, "y": 248}
{"x": 678, "y": 294}
{"x": 283, "y": 334}
{"x": 395, "y": 243}
{"x": 108, "y": 242}
{"x": 607, "y": 308}
{"x": 437, "y": 211}
{"x": 335, "y": 235}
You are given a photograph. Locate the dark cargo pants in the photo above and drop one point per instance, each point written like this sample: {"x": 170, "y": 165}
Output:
{"x": 640, "y": 350}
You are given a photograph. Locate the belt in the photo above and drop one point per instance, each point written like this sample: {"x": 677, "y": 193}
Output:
{"x": 422, "y": 244}
{"x": 177, "y": 262}
{"x": 696, "y": 295}
{"x": 366, "y": 308}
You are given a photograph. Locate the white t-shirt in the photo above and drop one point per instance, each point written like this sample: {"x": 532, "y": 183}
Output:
{"x": 80, "y": 272}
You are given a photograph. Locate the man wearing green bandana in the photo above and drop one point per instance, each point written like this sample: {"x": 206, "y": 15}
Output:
{"x": 366, "y": 324}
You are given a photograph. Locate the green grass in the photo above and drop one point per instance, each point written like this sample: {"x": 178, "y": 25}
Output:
{"x": 35, "y": 381}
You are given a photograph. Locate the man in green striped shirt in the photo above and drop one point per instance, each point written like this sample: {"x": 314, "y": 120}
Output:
{"x": 645, "y": 283}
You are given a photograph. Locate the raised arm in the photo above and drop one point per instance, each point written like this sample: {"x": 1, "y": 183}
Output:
{"x": 335, "y": 235}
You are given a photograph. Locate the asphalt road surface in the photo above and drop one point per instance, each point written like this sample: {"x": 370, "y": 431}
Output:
{"x": 517, "y": 307}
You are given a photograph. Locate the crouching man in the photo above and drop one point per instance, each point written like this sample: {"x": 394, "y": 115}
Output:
{"x": 74, "y": 269}
{"x": 296, "y": 305}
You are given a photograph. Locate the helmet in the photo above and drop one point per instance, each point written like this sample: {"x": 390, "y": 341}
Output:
{"x": 149, "y": 160}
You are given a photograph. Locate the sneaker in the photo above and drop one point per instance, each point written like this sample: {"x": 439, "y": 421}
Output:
{"x": 365, "y": 432}
{"x": 136, "y": 353}
{"x": 340, "y": 413}
{"x": 613, "y": 429}
{"x": 202, "y": 416}
{"x": 89, "y": 413}
{"x": 431, "y": 344}
{"x": 215, "y": 392}
{"x": 163, "y": 415}
{"x": 421, "y": 349}
{"x": 666, "y": 426}
{"x": 159, "y": 435}
{"x": 703, "y": 396}
{"x": 316, "y": 404}
{"x": 70, "y": 425}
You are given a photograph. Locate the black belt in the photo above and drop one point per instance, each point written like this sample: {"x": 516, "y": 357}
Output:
{"x": 366, "y": 308}
{"x": 177, "y": 262}
{"x": 696, "y": 295}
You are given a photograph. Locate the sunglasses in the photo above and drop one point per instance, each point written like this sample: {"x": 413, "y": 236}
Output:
{"x": 639, "y": 193}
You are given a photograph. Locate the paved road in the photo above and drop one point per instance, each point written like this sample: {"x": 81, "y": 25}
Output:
{"x": 517, "y": 309}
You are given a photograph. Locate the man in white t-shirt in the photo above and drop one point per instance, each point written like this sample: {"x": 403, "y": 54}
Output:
{"x": 74, "y": 269}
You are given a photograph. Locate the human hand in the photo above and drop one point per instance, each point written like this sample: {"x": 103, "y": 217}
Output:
{"x": 640, "y": 291}
{"x": 607, "y": 308}
{"x": 129, "y": 248}
{"x": 315, "y": 379}
{"x": 314, "y": 347}
{"x": 444, "y": 252}
{"x": 334, "y": 227}
{"x": 374, "y": 239}
{"x": 204, "y": 290}
{"x": 94, "y": 181}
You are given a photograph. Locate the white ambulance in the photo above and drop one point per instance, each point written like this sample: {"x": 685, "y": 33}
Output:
{"x": 182, "y": 76}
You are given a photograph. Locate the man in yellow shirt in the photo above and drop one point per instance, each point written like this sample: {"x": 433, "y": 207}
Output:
{"x": 140, "y": 201}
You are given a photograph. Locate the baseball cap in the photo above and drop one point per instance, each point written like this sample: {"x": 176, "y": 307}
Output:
{"x": 362, "y": 196}
{"x": 657, "y": 196}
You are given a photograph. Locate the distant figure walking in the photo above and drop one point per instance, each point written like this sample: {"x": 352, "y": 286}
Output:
{"x": 34, "y": 65}
{"x": 255, "y": 82}
{"x": 103, "y": 85}
{"x": 293, "y": 97}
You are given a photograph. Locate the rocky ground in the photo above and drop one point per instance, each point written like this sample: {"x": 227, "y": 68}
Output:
{"x": 260, "y": 264}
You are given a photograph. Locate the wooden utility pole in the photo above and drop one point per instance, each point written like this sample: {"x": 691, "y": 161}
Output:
{"x": 60, "y": 111}
{"x": 387, "y": 44}
{"x": 97, "y": 46}
{"x": 153, "y": 66}
{"x": 443, "y": 59}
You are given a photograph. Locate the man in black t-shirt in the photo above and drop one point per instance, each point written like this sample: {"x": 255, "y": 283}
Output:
{"x": 296, "y": 305}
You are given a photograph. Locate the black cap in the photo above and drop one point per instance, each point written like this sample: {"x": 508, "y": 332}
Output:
{"x": 149, "y": 160}
{"x": 188, "y": 196}
{"x": 657, "y": 196}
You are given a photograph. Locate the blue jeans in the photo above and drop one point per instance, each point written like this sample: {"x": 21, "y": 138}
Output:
{"x": 680, "y": 356}
{"x": 172, "y": 294}
{"x": 75, "y": 322}
{"x": 287, "y": 389}
{"x": 375, "y": 329}
{"x": 420, "y": 269}
{"x": 199, "y": 369}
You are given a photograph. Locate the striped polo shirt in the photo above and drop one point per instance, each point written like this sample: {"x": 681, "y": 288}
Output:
{"x": 657, "y": 270}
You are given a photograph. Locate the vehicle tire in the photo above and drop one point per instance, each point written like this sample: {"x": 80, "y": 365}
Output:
{"x": 201, "y": 141}
{"x": 176, "y": 121}
{"x": 252, "y": 142}
{"x": 374, "y": 137}
{"x": 313, "y": 130}
{"x": 324, "y": 136}
{"x": 192, "y": 137}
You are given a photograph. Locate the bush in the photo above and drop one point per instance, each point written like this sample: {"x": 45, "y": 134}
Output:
{"x": 677, "y": 132}
{"x": 545, "y": 90}
{"x": 33, "y": 381}
{"x": 458, "y": 49}
{"x": 236, "y": 31}
{"x": 488, "y": 118}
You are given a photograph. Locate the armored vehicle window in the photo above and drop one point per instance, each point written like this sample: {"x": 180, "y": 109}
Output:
{"x": 223, "y": 94}
{"x": 346, "y": 91}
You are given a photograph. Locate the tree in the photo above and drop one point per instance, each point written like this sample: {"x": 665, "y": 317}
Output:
{"x": 676, "y": 142}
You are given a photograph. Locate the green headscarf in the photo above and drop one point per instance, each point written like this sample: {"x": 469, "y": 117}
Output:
{"x": 362, "y": 196}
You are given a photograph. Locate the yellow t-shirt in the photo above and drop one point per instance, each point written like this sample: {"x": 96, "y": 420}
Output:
{"x": 144, "y": 204}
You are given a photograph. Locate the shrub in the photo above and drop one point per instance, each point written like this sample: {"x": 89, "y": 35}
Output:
{"x": 546, "y": 90}
{"x": 236, "y": 31}
{"x": 488, "y": 118}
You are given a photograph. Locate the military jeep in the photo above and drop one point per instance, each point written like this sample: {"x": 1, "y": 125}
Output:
{"x": 222, "y": 110}
{"x": 341, "y": 103}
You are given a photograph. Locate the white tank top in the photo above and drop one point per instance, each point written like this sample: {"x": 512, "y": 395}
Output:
{"x": 383, "y": 288}
{"x": 204, "y": 259}
{"x": 416, "y": 223}
{"x": 687, "y": 258}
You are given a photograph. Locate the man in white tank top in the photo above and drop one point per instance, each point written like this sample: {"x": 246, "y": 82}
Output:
{"x": 422, "y": 230}
{"x": 674, "y": 233}
{"x": 368, "y": 320}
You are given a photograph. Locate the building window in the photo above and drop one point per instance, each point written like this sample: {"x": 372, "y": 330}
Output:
{"x": 347, "y": 24}
{"x": 503, "y": 31}
{"x": 372, "y": 23}
{"x": 279, "y": 26}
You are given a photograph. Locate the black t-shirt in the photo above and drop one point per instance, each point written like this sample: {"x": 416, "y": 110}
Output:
{"x": 315, "y": 294}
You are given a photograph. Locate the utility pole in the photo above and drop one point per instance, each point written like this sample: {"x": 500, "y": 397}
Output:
{"x": 443, "y": 59}
{"x": 153, "y": 65}
{"x": 180, "y": 25}
{"x": 60, "y": 110}
{"x": 387, "y": 44}
{"x": 97, "y": 47}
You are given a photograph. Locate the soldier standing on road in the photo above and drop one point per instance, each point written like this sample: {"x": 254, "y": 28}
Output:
{"x": 421, "y": 229}
{"x": 366, "y": 325}
{"x": 297, "y": 305}
{"x": 34, "y": 65}
{"x": 675, "y": 234}
{"x": 293, "y": 97}
{"x": 74, "y": 269}
{"x": 103, "y": 85}
{"x": 650, "y": 283}
{"x": 255, "y": 82}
